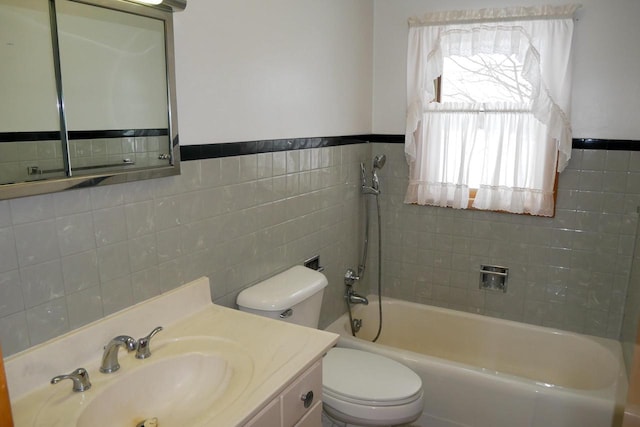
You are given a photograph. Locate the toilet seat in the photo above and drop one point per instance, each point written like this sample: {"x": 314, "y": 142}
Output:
{"x": 366, "y": 388}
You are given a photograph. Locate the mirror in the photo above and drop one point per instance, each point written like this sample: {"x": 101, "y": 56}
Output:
{"x": 29, "y": 120}
{"x": 90, "y": 94}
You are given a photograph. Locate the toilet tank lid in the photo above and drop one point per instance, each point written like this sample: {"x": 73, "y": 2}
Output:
{"x": 283, "y": 290}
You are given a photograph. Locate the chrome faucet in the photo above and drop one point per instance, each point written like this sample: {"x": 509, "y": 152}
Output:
{"x": 142, "y": 350}
{"x": 110, "y": 355}
{"x": 353, "y": 298}
{"x": 350, "y": 277}
{"x": 80, "y": 378}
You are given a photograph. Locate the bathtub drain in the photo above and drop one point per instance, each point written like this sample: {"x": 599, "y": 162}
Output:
{"x": 356, "y": 324}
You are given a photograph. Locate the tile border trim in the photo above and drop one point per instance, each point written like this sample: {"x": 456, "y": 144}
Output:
{"x": 229, "y": 149}
{"x": 606, "y": 144}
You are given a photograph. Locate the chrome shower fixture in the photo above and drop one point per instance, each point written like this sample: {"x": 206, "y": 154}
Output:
{"x": 363, "y": 176}
{"x": 378, "y": 163}
{"x": 351, "y": 277}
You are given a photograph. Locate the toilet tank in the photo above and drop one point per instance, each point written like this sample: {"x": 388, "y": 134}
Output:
{"x": 294, "y": 296}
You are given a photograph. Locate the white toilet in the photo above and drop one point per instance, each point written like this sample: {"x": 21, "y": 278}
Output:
{"x": 359, "y": 388}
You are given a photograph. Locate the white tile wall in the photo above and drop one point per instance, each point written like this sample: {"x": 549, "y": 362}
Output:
{"x": 69, "y": 258}
{"x": 570, "y": 272}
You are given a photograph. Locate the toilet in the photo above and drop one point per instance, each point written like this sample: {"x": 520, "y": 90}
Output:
{"x": 359, "y": 388}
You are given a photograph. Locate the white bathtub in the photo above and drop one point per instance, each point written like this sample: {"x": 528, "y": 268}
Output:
{"x": 479, "y": 371}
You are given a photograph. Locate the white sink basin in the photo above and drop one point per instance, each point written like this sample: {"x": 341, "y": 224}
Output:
{"x": 172, "y": 390}
{"x": 186, "y": 382}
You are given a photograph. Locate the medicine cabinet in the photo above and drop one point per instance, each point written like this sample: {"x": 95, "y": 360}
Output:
{"x": 88, "y": 94}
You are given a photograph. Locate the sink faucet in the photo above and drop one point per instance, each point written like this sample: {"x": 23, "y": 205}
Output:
{"x": 110, "y": 355}
{"x": 80, "y": 378}
{"x": 142, "y": 350}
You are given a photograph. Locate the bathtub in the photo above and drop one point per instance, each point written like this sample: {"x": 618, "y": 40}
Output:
{"x": 479, "y": 371}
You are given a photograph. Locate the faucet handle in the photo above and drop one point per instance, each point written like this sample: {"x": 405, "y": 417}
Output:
{"x": 80, "y": 378}
{"x": 350, "y": 277}
{"x": 143, "y": 351}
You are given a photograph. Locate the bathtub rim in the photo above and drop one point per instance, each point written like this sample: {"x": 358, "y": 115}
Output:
{"x": 617, "y": 390}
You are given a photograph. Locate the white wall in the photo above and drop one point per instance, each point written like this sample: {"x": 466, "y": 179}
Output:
{"x": 250, "y": 70}
{"x": 606, "y": 87}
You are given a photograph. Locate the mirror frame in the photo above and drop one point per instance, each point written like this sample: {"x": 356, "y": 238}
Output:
{"x": 32, "y": 188}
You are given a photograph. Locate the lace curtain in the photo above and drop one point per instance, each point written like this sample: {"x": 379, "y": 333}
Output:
{"x": 518, "y": 146}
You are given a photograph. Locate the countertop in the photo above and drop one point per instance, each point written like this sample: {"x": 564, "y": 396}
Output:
{"x": 278, "y": 351}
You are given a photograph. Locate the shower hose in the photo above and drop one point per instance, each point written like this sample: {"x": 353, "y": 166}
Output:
{"x": 364, "y": 262}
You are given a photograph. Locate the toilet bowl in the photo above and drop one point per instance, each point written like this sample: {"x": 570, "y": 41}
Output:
{"x": 367, "y": 389}
{"x": 359, "y": 388}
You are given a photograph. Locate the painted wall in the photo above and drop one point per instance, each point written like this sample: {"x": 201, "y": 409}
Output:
{"x": 606, "y": 90}
{"x": 250, "y": 70}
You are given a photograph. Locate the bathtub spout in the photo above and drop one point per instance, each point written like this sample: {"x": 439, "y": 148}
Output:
{"x": 353, "y": 298}
{"x": 357, "y": 299}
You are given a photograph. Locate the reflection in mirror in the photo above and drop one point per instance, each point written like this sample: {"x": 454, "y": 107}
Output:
{"x": 29, "y": 122}
{"x": 115, "y": 88}
{"x": 89, "y": 94}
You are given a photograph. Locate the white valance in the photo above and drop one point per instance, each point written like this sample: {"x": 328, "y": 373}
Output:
{"x": 494, "y": 15}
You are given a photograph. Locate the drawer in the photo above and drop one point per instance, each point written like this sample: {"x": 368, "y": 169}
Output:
{"x": 294, "y": 405}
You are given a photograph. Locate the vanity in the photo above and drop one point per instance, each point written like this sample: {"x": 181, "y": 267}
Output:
{"x": 209, "y": 366}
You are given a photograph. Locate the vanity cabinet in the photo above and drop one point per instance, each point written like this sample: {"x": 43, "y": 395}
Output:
{"x": 295, "y": 406}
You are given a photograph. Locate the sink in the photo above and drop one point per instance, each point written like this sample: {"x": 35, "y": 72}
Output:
{"x": 172, "y": 389}
{"x": 186, "y": 382}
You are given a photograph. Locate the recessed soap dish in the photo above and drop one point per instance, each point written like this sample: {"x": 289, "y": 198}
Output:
{"x": 493, "y": 277}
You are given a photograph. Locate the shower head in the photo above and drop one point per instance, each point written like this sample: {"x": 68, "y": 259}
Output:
{"x": 379, "y": 161}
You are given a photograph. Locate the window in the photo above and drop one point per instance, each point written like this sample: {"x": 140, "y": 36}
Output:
{"x": 484, "y": 77}
{"x": 499, "y": 129}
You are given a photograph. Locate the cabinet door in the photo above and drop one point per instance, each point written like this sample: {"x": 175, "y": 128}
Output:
{"x": 301, "y": 396}
{"x": 313, "y": 418}
{"x": 270, "y": 416}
